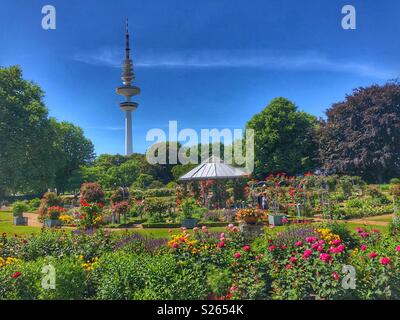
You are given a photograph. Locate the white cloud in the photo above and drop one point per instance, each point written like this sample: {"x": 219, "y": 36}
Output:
{"x": 266, "y": 59}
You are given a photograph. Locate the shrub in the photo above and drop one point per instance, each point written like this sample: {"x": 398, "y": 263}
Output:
{"x": 395, "y": 181}
{"x": 23, "y": 280}
{"x": 136, "y": 194}
{"x": 92, "y": 192}
{"x": 122, "y": 276}
{"x": 159, "y": 205}
{"x": 34, "y": 203}
{"x": 189, "y": 208}
{"x": 117, "y": 196}
{"x": 211, "y": 216}
{"x": 19, "y": 207}
{"x": 163, "y": 192}
{"x": 49, "y": 199}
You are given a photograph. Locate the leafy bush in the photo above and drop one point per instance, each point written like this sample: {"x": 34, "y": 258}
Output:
{"x": 189, "y": 208}
{"x": 125, "y": 276}
{"x": 92, "y": 192}
{"x": 163, "y": 192}
{"x": 19, "y": 207}
{"x": 34, "y": 203}
{"x": 159, "y": 205}
{"x": 395, "y": 181}
{"x": 23, "y": 280}
{"x": 49, "y": 199}
{"x": 211, "y": 216}
{"x": 137, "y": 194}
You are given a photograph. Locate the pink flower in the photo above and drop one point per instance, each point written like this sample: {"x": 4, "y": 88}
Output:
{"x": 325, "y": 257}
{"x": 222, "y": 235}
{"x": 230, "y": 226}
{"x": 372, "y": 255}
{"x": 398, "y": 248}
{"x": 204, "y": 228}
{"x": 195, "y": 229}
{"x": 385, "y": 260}
{"x": 335, "y": 276}
{"x": 246, "y": 248}
{"x": 364, "y": 234}
{"x": 320, "y": 249}
{"x": 288, "y": 266}
{"x": 359, "y": 230}
{"x": 298, "y": 244}
{"x": 307, "y": 253}
{"x": 336, "y": 242}
{"x": 311, "y": 239}
{"x": 237, "y": 255}
{"x": 321, "y": 242}
{"x": 363, "y": 247}
{"x": 284, "y": 220}
{"x": 175, "y": 245}
{"x": 340, "y": 248}
{"x": 272, "y": 248}
{"x": 183, "y": 228}
{"x": 293, "y": 259}
{"x": 221, "y": 244}
{"x": 314, "y": 246}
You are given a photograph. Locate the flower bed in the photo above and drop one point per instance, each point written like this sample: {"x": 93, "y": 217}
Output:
{"x": 296, "y": 262}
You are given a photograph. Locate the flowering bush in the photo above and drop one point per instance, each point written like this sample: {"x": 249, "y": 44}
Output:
{"x": 244, "y": 214}
{"x": 90, "y": 214}
{"x": 54, "y": 212}
{"x": 121, "y": 208}
{"x": 92, "y": 192}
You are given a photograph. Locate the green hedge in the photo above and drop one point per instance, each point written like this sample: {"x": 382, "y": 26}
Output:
{"x": 160, "y": 225}
{"x": 162, "y": 192}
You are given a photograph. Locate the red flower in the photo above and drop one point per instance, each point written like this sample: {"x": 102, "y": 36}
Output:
{"x": 372, "y": 255}
{"x": 363, "y": 247}
{"x": 16, "y": 275}
{"x": 335, "y": 276}
{"x": 237, "y": 255}
{"x": 385, "y": 260}
{"x": 100, "y": 205}
{"x": 221, "y": 244}
{"x": 272, "y": 248}
{"x": 246, "y": 248}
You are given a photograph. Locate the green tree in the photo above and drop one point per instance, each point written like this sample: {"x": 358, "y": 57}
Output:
{"x": 74, "y": 150}
{"x": 284, "y": 139}
{"x": 27, "y": 138}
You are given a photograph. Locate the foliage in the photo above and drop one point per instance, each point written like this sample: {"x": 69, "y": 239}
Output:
{"x": 283, "y": 138}
{"x": 19, "y": 207}
{"x": 74, "y": 150}
{"x": 189, "y": 208}
{"x": 367, "y": 125}
{"x": 36, "y": 152}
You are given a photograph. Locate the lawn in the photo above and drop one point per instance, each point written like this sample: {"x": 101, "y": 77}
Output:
{"x": 7, "y": 226}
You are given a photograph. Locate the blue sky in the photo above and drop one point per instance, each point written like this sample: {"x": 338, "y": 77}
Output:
{"x": 206, "y": 64}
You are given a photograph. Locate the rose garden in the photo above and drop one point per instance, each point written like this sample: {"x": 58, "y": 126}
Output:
{"x": 317, "y": 219}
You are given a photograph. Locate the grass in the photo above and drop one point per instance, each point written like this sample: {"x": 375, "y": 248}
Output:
{"x": 7, "y": 226}
{"x": 158, "y": 233}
